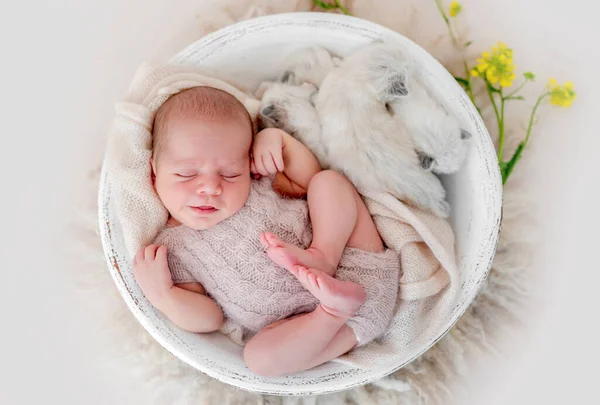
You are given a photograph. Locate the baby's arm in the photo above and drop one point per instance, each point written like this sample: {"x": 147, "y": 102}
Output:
{"x": 277, "y": 152}
{"x": 190, "y": 310}
{"x": 184, "y": 304}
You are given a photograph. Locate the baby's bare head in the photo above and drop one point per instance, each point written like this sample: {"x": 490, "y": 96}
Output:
{"x": 202, "y": 138}
{"x": 200, "y": 102}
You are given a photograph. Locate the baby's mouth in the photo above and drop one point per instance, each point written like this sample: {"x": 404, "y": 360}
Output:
{"x": 204, "y": 209}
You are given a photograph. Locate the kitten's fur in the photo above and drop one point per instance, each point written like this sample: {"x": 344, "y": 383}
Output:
{"x": 307, "y": 65}
{"x": 439, "y": 140}
{"x": 364, "y": 139}
{"x": 371, "y": 122}
{"x": 291, "y": 108}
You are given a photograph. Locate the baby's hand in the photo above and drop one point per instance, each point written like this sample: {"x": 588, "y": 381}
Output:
{"x": 267, "y": 152}
{"x": 151, "y": 271}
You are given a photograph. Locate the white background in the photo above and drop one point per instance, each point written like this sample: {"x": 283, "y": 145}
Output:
{"x": 65, "y": 62}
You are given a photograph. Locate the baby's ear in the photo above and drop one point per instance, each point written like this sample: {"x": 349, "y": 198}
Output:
{"x": 152, "y": 171}
{"x": 264, "y": 86}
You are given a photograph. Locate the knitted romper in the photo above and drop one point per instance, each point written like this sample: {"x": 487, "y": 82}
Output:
{"x": 233, "y": 267}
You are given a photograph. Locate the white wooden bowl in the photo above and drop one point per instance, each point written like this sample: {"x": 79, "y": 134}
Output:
{"x": 250, "y": 52}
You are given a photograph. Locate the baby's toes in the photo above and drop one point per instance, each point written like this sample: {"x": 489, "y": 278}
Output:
{"x": 273, "y": 240}
{"x": 303, "y": 276}
{"x": 315, "y": 279}
{"x": 264, "y": 241}
{"x": 312, "y": 280}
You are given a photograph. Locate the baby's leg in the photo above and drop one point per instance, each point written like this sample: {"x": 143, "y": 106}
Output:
{"x": 339, "y": 218}
{"x": 307, "y": 340}
{"x": 298, "y": 344}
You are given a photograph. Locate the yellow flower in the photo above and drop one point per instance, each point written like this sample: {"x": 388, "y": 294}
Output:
{"x": 561, "y": 96}
{"x": 455, "y": 8}
{"x": 496, "y": 66}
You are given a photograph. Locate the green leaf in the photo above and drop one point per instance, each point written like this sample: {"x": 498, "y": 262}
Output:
{"x": 323, "y": 5}
{"x": 462, "y": 81}
{"x": 468, "y": 43}
{"x": 492, "y": 88}
{"x": 529, "y": 76}
{"x": 506, "y": 168}
{"x": 503, "y": 171}
{"x": 515, "y": 98}
{"x": 329, "y": 6}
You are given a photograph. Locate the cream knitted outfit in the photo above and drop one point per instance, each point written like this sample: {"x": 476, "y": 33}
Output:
{"x": 232, "y": 265}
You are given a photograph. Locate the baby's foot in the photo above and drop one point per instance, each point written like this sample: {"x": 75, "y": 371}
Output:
{"x": 339, "y": 298}
{"x": 288, "y": 256}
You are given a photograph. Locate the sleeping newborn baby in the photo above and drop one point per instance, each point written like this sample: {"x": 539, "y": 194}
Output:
{"x": 240, "y": 243}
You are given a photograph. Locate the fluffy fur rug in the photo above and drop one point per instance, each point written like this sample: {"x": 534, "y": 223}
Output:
{"x": 441, "y": 374}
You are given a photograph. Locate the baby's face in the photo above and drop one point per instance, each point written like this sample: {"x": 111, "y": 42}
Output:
{"x": 203, "y": 173}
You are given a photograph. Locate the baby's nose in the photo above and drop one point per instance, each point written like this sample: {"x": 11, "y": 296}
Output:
{"x": 209, "y": 186}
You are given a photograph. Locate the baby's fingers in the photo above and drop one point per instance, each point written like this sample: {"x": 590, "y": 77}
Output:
{"x": 270, "y": 163}
{"x": 260, "y": 163}
{"x": 139, "y": 256}
{"x": 278, "y": 160}
{"x": 150, "y": 252}
{"x": 161, "y": 254}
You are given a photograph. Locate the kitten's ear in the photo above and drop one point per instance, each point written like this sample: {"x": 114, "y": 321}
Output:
{"x": 264, "y": 86}
{"x": 269, "y": 111}
{"x": 465, "y": 134}
{"x": 398, "y": 82}
{"x": 425, "y": 161}
{"x": 287, "y": 77}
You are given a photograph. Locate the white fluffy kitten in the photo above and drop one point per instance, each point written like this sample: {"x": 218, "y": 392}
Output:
{"x": 364, "y": 139}
{"x": 292, "y": 109}
{"x": 307, "y": 65}
{"x": 440, "y": 141}
{"x": 289, "y": 103}
{"x": 380, "y": 128}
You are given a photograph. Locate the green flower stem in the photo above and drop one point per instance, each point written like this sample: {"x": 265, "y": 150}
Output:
{"x": 455, "y": 43}
{"x": 501, "y": 129}
{"x": 469, "y": 87}
{"x": 507, "y": 168}
{"x": 447, "y": 20}
{"x": 442, "y": 12}
{"x": 517, "y": 90}
{"x": 337, "y": 3}
{"x": 489, "y": 90}
{"x": 535, "y": 107}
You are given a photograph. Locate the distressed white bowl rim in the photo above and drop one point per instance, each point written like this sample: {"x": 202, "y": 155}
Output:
{"x": 485, "y": 185}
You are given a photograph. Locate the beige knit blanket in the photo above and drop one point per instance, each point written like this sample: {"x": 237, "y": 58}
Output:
{"x": 429, "y": 280}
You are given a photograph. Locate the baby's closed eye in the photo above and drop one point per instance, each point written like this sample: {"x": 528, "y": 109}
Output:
{"x": 230, "y": 176}
{"x": 185, "y": 175}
